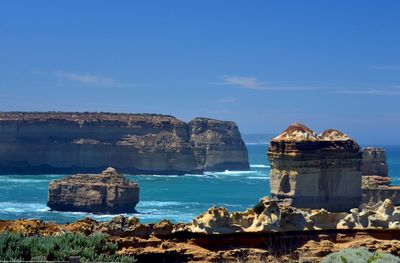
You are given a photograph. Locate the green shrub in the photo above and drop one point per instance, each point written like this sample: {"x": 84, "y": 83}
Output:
{"x": 360, "y": 255}
{"x": 16, "y": 246}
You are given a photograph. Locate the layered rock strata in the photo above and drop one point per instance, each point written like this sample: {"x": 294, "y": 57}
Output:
{"x": 108, "y": 192}
{"x": 376, "y": 181}
{"x": 374, "y": 168}
{"x": 57, "y": 142}
{"x": 271, "y": 232}
{"x": 315, "y": 171}
{"x": 275, "y": 216}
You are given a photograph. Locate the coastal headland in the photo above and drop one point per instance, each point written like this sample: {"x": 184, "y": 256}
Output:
{"x": 68, "y": 142}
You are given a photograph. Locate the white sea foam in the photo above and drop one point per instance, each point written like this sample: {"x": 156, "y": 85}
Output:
{"x": 234, "y": 173}
{"x": 158, "y": 204}
{"x": 165, "y": 176}
{"x": 258, "y": 177}
{"x": 259, "y": 166}
{"x": 206, "y": 175}
{"x": 16, "y": 207}
{"x": 22, "y": 180}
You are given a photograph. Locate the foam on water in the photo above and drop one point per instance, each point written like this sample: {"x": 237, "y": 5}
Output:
{"x": 17, "y": 207}
{"x": 233, "y": 173}
{"x": 163, "y": 204}
{"x": 258, "y": 177}
{"x": 7, "y": 179}
{"x": 173, "y": 197}
{"x": 259, "y": 166}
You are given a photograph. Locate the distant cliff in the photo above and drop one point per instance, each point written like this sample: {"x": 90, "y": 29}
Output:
{"x": 61, "y": 142}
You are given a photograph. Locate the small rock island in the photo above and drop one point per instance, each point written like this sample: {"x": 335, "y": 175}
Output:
{"x": 108, "y": 192}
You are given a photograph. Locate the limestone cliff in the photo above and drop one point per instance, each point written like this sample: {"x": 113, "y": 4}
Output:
{"x": 374, "y": 168}
{"x": 315, "y": 171}
{"x": 376, "y": 181}
{"x": 218, "y": 144}
{"x": 57, "y": 142}
{"x": 108, "y": 192}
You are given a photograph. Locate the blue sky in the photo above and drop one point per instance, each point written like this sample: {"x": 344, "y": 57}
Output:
{"x": 263, "y": 64}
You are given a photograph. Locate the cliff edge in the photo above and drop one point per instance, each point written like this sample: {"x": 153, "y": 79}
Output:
{"x": 67, "y": 142}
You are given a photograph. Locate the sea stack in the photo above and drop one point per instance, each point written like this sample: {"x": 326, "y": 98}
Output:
{"x": 89, "y": 142}
{"x": 108, "y": 193}
{"x": 374, "y": 168}
{"x": 315, "y": 171}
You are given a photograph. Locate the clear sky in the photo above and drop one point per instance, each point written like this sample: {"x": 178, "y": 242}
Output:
{"x": 262, "y": 64}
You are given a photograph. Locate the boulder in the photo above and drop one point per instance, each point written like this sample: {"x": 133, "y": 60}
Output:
{"x": 108, "y": 192}
{"x": 315, "y": 171}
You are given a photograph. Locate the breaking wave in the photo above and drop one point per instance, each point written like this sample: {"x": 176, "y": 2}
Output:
{"x": 16, "y": 207}
{"x": 259, "y": 166}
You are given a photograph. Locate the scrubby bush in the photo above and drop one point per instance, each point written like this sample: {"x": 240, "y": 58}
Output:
{"x": 16, "y": 246}
{"x": 360, "y": 255}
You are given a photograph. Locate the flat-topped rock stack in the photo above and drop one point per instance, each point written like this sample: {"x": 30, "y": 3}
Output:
{"x": 376, "y": 181}
{"x": 108, "y": 192}
{"x": 68, "y": 142}
{"x": 315, "y": 171}
{"x": 374, "y": 168}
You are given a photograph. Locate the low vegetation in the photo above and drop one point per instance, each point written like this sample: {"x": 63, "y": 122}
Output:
{"x": 93, "y": 248}
{"x": 360, "y": 255}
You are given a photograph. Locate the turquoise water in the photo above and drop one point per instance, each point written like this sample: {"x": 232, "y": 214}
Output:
{"x": 178, "y": 198}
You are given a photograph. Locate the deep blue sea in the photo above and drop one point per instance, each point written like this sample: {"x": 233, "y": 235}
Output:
{"x": 178, "y": 198}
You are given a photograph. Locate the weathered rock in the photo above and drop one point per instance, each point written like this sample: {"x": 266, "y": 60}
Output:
{"x": 374, "y": 168}
{"x": 371, "y": 196}
{"x": 218, "y": 145}
{"x": 57, "y": 142}
{"x": 315, "y": 171}
{"x": 272, "y": 232}
{"x": 276, "y": 216}
{"x": 108, "y": 192}
{"x": 376, "y": 182}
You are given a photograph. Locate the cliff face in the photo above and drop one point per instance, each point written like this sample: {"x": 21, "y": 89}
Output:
{"x": 108, "y": 192}
{"x": 376, "y": 181}
{"x": 218, "y": 144}
{"x": 374, "y": 168}
{"x": 57, "y": 142}
{"x": 315, "y": 171}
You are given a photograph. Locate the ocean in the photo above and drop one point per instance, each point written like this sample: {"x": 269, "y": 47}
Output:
{"x": 177, "y": 198}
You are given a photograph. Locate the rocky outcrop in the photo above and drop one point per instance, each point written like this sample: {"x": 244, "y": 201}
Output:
{"x": 374, "y": 168}
{"x": 271, "y": 232}
{"x": 218, "y": 145}
{"x": 315, "y": 171}
{"x": 57, "y": 142}
{"x": 108, "y": 192}
{"x": 376, "y": 181}
{"x": 274, "y": 216}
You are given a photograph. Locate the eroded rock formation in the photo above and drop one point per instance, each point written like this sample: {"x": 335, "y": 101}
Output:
{"x": 376, "y": 181}
{"x": 271, "y": 232}
{"x": 276, "y": 216}
{"x": 374, "y": 168}
{"x": 315, "y": 171}
{"x": 57, "y": 142}
{"x": 108, "y": 192}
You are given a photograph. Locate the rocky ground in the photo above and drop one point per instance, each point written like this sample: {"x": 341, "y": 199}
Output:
{"x": 266, "y": 233}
